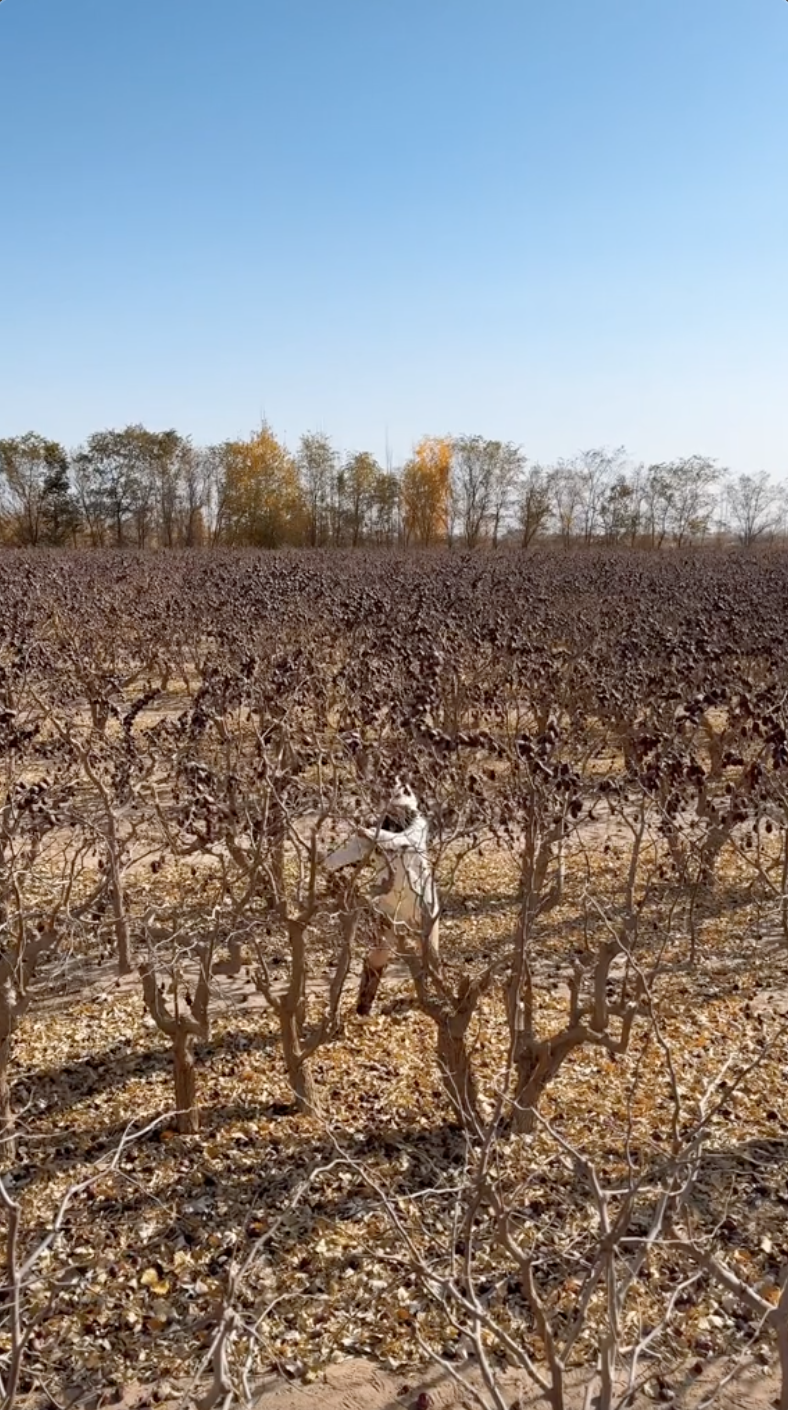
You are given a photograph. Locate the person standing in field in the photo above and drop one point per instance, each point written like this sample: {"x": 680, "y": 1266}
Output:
{"x": 403, "y": 896}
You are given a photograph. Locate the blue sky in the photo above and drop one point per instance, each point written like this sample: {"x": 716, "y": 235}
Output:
{"x": 561, "y": 222}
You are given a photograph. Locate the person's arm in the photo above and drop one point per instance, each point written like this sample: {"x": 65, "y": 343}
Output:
{"x": 354, "y": 851}
{"x": 390, "y": 841}
{"x": 413, "y": 839}
{"x": 358, "y": 848}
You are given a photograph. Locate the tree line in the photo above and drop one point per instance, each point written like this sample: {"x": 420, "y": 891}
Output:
{"x": 156, "y": 489}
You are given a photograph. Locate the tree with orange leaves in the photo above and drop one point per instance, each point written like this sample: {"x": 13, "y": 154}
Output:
{"x": 426, "y": 490}
{"x": 260, "y": 497}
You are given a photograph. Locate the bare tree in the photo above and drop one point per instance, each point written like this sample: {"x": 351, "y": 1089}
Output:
{"x": 33, "y": 485}
{"x": 754, "y": 507}
{"x": 567, "y": 491}
{"x": 42, "y": 863}
{"x": 679, "y": 499}
{"x": 596, "y": 470}
{"x": 300, "y": 1042}
{"x": 535, "y": 504}
{"x": 317, "y": 464}
{"x": 620, "y": 509}
{"x": 486, "y": 475}
{"x": 187, "y": 966}
{"x": 506, "y": 481}
{"x": 475, "y": 461}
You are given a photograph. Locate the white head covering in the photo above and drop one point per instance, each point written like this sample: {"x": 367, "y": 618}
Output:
{"x": 403, "y": 800}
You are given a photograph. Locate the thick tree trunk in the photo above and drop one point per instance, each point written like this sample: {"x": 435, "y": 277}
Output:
{"x": 185, "y": 1083}
{"x": 455, "y": 1064}
{"x": 716, "y": 838}
{"x": 534, "y": 1061}
{"x": 298, "y": 1071}
{"x": 530, "y": 1082}
{"x": 452, "y": 1018}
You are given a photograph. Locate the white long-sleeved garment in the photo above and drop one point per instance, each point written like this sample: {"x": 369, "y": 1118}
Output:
{"x": 404, "y": 887}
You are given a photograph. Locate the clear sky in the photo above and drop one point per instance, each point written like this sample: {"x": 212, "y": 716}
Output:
{"x": 561, "y": 222}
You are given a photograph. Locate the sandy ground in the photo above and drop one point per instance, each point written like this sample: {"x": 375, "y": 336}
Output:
{"x": 357, "y": 1384}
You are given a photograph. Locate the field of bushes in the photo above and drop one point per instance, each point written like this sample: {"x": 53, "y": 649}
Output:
{"x": 559, "y": 1146}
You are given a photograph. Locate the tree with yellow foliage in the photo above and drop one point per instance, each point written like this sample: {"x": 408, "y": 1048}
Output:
{"x": 259, "y": 495}
{"x": 426, "y": 490}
